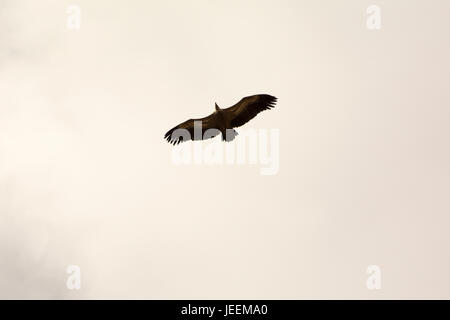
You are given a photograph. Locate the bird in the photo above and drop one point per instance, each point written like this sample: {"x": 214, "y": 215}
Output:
{"x": 221, "y": 121}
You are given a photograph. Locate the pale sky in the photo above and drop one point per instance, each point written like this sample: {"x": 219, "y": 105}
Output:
{"x": 87, "y": 179}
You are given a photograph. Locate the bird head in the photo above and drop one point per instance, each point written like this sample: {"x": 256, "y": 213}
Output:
{"x": 217, "y": 107}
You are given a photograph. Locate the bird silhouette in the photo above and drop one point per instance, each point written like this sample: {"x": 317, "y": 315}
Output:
{"x": 221, "y": 121}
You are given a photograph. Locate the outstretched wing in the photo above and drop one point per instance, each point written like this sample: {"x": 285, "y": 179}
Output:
{"x": 248, "y": 108}
{"x": 185, "y": 131}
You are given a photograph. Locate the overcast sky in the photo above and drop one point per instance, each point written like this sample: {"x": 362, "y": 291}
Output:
{"x": 87, "y": 179}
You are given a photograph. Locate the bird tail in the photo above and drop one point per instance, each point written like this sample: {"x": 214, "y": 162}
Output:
{"x": 230, "y": 134}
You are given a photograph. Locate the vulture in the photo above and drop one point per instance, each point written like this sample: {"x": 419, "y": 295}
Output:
{"x": 221, "y": 121}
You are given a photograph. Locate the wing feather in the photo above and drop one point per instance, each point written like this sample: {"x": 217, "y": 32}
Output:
{"x": 185, "y": 131}
{"x": 246, "y": 109}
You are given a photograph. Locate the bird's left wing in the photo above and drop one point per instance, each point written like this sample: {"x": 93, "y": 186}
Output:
{"x": 185, "y": 131}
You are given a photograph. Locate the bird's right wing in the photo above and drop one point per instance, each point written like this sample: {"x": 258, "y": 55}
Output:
{"x": 185, "y": 131}
{"x": 246, "y": 109}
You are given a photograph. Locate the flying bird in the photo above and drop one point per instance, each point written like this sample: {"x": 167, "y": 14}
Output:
{"x": 221, "y": 121}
